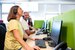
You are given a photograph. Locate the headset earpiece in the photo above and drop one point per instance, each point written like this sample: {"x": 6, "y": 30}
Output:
{"x": 15, "y": 11}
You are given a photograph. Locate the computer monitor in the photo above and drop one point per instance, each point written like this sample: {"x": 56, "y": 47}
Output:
{"x": 56, "y": 31}
{"x": 46, "y": 27}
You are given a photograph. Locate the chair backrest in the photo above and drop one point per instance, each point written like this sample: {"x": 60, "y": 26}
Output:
{"x": 61, "y": 46}
{"x": 3, "y": 24}
{"x": 2, "y": 37}
{"x": 56, "y": 31}
{"x": 1, "y": 21}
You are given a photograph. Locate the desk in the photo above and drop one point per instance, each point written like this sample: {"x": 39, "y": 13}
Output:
{"x": 32, "y": 43}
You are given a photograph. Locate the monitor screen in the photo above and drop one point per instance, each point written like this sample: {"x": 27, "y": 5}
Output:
{"x": 44, "y": 25}
{"x": 56, "y": 29}
{"x": 48, "y": 26}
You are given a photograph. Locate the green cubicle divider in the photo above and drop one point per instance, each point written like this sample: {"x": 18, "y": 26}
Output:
{"x": 68, "y": 29}
{"x": 38, "y": 23}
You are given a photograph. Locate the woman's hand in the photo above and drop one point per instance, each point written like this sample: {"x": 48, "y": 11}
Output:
{"x": 36, "y": 48}
{"x": 29, "y": 48}
{"x": 32, "y": 48}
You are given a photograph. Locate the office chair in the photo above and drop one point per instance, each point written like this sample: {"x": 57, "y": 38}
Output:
{"x": 2, "y": 37}
{"x": 55, "y": 33}
{"x": 1, "y": 21}
{"x": 3, "y": 24}
{"x": 61, "y": 46}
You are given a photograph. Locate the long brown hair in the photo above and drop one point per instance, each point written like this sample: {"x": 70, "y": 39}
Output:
{"x": 13, "y": 12}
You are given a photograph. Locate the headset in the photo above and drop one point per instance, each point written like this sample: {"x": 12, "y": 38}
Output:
{"x": 15, "y": 10}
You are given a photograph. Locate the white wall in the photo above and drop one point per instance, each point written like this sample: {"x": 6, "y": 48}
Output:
{"x": 46, "y": 10}
{"x": 14, "y": 0}
{"x": 39, "y": 0}
{"x": 0, "y": 10}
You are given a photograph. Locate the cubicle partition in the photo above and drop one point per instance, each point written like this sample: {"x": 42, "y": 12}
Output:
{"x": 38, "y": 23}
{"x": 68, "y": 33}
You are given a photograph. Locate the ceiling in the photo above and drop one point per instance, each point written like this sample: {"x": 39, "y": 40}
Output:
{"x": 39, "y": 0}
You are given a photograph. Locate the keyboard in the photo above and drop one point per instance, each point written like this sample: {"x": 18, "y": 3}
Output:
{"x": 39, "y": 32}
{"x": 40, "y": 43}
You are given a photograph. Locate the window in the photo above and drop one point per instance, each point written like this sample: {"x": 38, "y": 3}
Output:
{"x": 4, "y": 18}
{"x": 6, "y": 8}
{"x": 29, "y": 6}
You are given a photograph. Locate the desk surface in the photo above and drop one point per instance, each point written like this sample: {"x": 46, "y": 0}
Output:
{"x": 32, "y": 43}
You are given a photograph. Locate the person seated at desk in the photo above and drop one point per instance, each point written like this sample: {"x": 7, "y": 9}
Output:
{"x": 14, "y": 35}
{"x": 30, "y": 23}
{"x": 27, "y": 26}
